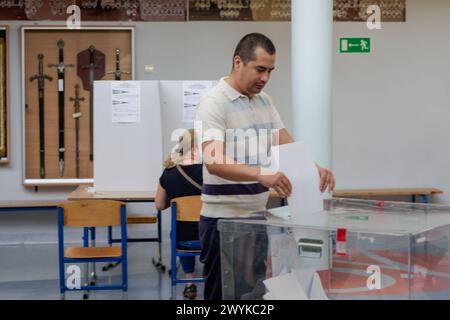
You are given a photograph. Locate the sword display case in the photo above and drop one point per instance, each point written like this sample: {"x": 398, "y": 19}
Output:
{"x": 59, "y": 68}
{"x": 4, "y": 102}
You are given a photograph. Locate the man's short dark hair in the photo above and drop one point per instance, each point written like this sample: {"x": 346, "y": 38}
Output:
{"x": 248, "y": 44}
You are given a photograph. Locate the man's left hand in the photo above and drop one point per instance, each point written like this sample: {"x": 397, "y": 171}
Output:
{"x": 326, "y": 179}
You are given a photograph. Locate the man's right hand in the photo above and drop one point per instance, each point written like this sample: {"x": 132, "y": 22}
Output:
{"x": 278, "y": 181}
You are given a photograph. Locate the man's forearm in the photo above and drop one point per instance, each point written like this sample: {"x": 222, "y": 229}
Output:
{"x": 284, "y": 137}
{"x": 241, "y": 172}
{"x": 218, "y": 163}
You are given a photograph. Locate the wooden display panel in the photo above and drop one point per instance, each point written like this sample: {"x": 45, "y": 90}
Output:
{"x": 4, "y": 96}
{"x": 43, "y": 40}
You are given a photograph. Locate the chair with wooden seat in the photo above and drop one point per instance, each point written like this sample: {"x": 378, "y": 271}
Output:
{"x": 183, "y": 209}
{"x": 90, "y": 214}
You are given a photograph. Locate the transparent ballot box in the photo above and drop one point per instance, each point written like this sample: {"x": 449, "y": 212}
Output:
{"x": 353, "y": 249}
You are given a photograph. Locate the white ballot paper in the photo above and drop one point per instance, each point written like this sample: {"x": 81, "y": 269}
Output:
{"x": 296, "y": 162}
{"x": 285, "y": 287}
{"x": 309, "y": 279}
{"x": 317, "y": 292}
{"x": 300, "y": 284}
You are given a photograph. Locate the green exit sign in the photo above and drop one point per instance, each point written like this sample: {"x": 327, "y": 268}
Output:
{"x": 354, "y": 45}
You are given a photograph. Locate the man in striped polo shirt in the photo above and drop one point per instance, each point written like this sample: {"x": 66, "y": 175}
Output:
{"x": 238, "y": 124}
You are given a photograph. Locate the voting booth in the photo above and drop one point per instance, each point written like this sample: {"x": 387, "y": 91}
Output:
{"x": 353, "y": 249}
{"x": 127, "y": 135}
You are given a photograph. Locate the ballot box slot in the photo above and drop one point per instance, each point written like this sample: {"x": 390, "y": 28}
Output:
{"x": 310, "y": 248}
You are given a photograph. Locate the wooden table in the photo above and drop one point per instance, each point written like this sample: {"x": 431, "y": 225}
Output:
{"x": 29, "y": 205}
{"x": 425, "y": 193}
{"x": 82, "y": 193}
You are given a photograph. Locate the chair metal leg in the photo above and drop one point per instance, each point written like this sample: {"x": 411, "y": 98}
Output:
{"x": 110, "y": 266}
{"x": 173, "y": 292}
{"x": 86, "y": 275}
{"x": 93, "y": 274}
{"x": 178, "y": 265}
{"x": 110, "y": 236}
{"x": 158, "y": 263}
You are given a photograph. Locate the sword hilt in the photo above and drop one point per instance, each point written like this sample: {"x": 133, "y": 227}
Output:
{"x": 76, "y": 101}
{"x": 117, "y": 74}
{"x": 40, "y": 77}
{"x": 88, "y": 66}
{"x": 61, "y": 65}
{"x": 121, "y": 72}
{"x": 91, "y": 59}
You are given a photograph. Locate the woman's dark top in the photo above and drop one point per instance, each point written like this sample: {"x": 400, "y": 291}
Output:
{"x": 177, "y": 186}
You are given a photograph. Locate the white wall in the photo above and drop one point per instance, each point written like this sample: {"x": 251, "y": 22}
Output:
{"x": 390, "y": 107}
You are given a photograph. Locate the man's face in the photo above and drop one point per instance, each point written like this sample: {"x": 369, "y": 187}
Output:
{"x": 253, "y": 76}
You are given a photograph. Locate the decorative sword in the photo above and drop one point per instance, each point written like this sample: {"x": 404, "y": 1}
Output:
{"x": 41, "y": 77}
{"x": 96, "y": 70}
{"x": 118, "y": 72}
{"x": 61, "y": 71}
{"x": 76, "y": 115}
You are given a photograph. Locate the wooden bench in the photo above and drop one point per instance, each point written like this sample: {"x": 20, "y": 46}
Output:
{"x": 29, "y": 205}
{"x": 138, "y": 219}
{"x": 425, "y": 193}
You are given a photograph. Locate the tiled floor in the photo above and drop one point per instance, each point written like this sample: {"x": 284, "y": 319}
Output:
{"x": 31, "y": 272}
{"x": 29, "y": 261}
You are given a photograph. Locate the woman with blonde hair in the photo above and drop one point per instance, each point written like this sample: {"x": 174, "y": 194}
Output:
{"x": 182, "y": 176}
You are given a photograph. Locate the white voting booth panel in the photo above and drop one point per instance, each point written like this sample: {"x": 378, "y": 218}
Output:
{"x": 127, "y": 149}
{"x": 172, "y": 109}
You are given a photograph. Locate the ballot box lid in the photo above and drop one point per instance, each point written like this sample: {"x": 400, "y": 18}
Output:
{"x": 354, "y": 215}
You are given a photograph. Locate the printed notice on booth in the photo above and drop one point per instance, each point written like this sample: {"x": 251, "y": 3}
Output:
{"x": 125, "y": 102}
{"x": 192, "y": 93}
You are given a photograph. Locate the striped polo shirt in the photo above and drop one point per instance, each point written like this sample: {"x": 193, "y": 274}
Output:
{"x": 245, "y": 126}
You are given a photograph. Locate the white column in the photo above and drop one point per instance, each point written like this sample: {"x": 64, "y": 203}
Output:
{"x": 312, "y": 55}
